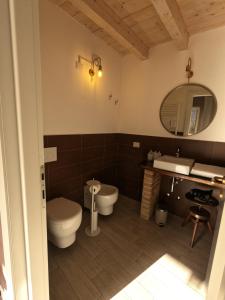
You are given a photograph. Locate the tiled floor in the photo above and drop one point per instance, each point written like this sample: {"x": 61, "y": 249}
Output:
{"x": 130, "y": 259}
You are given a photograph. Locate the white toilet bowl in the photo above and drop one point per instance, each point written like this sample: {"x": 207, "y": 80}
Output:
{"x": 63, "y": 219}
{"x": 105, "y": 199}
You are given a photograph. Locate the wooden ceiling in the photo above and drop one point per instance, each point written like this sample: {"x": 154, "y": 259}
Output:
{"x": 137, "y": 25}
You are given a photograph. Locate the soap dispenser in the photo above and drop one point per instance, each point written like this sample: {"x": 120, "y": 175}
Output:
{"x": 156, "y": 154}
{"x": 150, "y": 155}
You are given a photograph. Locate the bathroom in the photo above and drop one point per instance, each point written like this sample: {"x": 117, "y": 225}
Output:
{"x": 103, "y": 128}
{"x": 105, "y": 83}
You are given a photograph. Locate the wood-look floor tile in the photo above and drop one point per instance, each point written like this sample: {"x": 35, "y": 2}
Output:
{"x": 81, "y": 284}
{"x": 60, "y": 289}
{"x": 131, "y": 259}
{"x": 108, "y": 284}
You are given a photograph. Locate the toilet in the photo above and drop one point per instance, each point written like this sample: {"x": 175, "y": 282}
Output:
{"x": 63, "y": 220}
{"x": 105, "y": 199}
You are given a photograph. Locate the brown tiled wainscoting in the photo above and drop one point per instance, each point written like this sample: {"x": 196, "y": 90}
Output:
{"x": 79, "y": 158}
{"x": 112, "y": 159}
{"x": 130, "y": 175}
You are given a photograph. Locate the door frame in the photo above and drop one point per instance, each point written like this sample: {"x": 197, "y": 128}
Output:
{"x": 22, "y": 208}
{"x": 215, "y": 276}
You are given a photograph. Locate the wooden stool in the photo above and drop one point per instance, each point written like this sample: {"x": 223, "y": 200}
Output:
{"x": 198, "y": 215}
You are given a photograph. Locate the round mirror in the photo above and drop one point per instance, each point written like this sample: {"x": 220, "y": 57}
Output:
{"x": 188, "y": 109}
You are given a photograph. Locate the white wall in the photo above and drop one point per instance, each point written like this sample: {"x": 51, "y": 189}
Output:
{"x": 146, "y": 83}
{"x": 71, "y": 102}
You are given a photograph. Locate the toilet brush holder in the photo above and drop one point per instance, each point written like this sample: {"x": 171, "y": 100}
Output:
{"x": 93, "y": 229}
{"x": 94, "y": 188}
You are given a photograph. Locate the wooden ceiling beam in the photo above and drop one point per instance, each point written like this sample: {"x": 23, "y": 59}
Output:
{"x": 99, "y": 12}
{"x": 170, "y": 15}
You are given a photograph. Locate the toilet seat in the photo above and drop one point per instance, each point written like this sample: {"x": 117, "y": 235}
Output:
{"x": 107, "y": 190}
{"x": 60, "y": 210}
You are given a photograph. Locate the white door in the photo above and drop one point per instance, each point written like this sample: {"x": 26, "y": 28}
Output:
{"x": 22, "y": 208}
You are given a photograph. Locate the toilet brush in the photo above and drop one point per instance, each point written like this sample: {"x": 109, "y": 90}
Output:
{"x": 94, "y": 188}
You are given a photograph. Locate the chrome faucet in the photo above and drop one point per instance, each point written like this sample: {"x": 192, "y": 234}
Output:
{"x": 178, "y": 152}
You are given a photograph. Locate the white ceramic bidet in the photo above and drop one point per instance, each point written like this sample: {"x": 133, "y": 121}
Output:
{"x": 105, "y": 199}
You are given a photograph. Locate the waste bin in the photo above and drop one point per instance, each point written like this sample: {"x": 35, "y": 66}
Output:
{"x": 161, "y": 214}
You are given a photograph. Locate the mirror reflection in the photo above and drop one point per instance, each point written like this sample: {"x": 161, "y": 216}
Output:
{"x": 188, "y": 109}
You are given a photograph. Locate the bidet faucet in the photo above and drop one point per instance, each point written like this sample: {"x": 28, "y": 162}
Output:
{"x": 178, "y": 152}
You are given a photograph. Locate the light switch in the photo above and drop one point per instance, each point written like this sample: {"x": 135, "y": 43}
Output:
{"x": 50, "y": 154}
{"x": 136, "y": 144}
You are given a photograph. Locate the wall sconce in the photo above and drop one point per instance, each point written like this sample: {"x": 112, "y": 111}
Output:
{"x": 189, "y": 70}
{"x": 96, "y": 61}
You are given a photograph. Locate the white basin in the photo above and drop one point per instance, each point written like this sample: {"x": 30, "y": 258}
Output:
{"x": 174, "y": 164}
{"x": 207, "y": 170}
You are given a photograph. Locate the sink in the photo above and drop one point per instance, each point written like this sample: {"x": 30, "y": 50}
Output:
{"x": 174, "y": 164}
{"x": 207, "y": 170}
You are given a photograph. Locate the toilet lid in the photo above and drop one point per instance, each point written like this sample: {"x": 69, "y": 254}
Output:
{"x": 61, "y": 209}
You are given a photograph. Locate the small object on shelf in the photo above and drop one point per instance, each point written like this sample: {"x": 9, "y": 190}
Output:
{"x": 156, "y": 154}
{"x": 202, "y": 197}
{"x": 219, "y": 179}
{"x": 150, "y": 155}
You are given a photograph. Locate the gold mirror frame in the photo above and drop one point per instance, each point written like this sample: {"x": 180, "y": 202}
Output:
{"x": 183, "y": 85}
